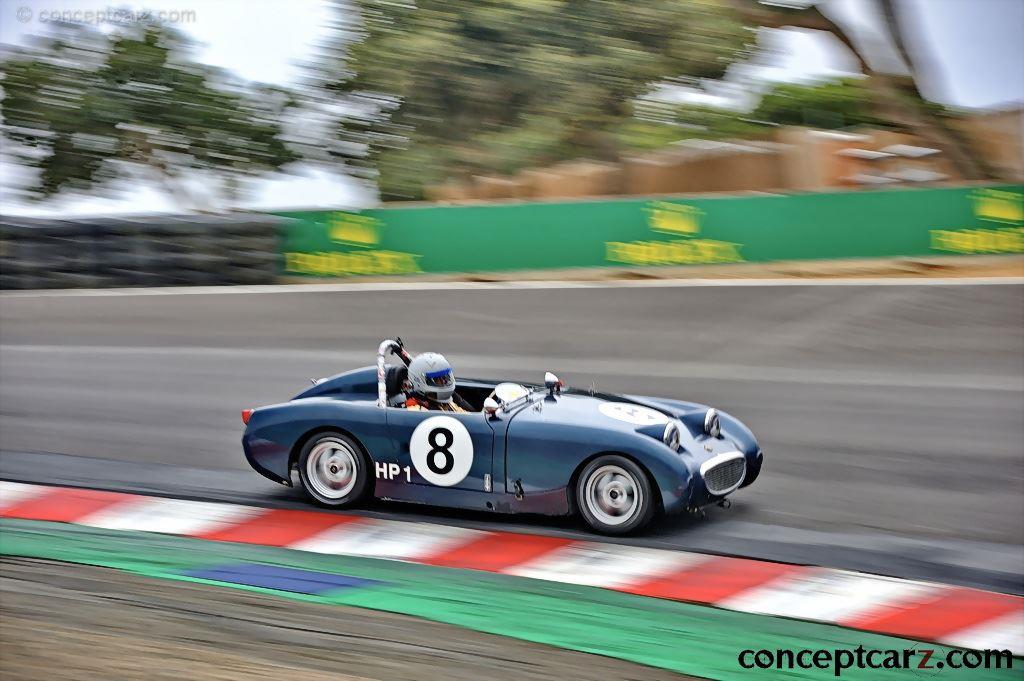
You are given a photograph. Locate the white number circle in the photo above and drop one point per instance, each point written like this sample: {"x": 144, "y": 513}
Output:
{"x": 632, "y": 413}
{"x": 442, "y": 450}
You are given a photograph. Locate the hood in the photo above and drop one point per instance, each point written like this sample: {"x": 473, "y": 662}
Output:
{"x": 644, "y": 416}
{"x": 621, "y": 412}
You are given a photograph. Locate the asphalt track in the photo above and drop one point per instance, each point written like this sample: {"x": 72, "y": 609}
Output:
{"x": 892, "y": 416}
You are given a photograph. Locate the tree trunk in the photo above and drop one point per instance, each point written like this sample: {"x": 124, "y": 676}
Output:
{"x": 892, "y": 102}
{"x": 930, "y": 127}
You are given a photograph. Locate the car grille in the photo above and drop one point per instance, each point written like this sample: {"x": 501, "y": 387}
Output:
{"x": 725, "y": 476}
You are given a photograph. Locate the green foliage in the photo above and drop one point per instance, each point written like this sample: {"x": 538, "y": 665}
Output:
{"x": 659, "y": 123}
{"x": 690, "y": 122}
{"x": 841, "y": 103}
{"x": 830, "y": 105}
{"x": 85, "y": 101}
{"x": 479, "y": 86}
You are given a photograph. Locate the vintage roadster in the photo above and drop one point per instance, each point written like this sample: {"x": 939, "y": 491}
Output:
{"x": 616, "y": 460}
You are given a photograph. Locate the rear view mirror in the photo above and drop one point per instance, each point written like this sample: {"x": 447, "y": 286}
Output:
{"x": 491, "y": 406}
{"x": 552, "y": 383}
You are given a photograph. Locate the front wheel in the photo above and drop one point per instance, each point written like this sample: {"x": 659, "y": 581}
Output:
{"x": 614, "y": 495}
{"x": 333, "y": 469}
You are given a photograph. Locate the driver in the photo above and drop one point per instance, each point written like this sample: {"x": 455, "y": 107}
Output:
{"x": 431, "y": 385}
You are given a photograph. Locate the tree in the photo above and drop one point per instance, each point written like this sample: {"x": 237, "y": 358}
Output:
{"x": 87, "y": 108}
{"x": 833, "y": 104}
{"x": 459, "y": 87}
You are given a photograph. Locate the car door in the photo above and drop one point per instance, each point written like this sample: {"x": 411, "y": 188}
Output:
{"x": 441, "y": 449}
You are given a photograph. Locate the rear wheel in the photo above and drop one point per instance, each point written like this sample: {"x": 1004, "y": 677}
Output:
{"x": 614, "y": 495}
{"x": 333, "y": 469}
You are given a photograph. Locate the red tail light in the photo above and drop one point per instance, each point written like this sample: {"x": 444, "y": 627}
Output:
{"x": 246, "y": 414}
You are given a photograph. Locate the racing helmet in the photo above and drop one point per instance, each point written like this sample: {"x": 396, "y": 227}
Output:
{"x": 431, "y": 375}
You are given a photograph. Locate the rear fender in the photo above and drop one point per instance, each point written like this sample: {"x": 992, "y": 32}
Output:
{"x": 275, "y": 433}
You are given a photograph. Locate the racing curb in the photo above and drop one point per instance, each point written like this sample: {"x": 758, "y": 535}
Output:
{"x": 952, "y": 615}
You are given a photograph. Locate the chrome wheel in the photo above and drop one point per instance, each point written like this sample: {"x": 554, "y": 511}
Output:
{"x": 613, "y": 495}
{"x": 331, "y": 469}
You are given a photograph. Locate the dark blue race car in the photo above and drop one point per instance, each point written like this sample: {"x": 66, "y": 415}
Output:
{"x": 617, "y": 460}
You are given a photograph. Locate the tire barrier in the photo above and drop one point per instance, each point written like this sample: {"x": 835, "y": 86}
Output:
{"x": 139, "y": 251}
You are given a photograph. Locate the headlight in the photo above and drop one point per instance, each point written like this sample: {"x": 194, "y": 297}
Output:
{"x": 671, "y": 435}
{"x": 712, "y": 424}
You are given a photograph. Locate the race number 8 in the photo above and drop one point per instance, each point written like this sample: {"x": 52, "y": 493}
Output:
{"x": 442, "y": 450}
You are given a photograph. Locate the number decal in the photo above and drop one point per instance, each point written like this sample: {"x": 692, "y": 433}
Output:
{"x": 441, "y": 450}
{"x": 632, "y": 413}
{"x": 390, "y": 471}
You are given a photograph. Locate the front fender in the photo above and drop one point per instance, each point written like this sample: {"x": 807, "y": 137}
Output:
{"x": 732, "y": 428}
{"x": 672, "y": 471}
{"x": 738, "y": 432}
{"x": 545, "y": 456}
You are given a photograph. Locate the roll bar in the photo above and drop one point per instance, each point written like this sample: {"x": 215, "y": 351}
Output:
{"x": 398, "y": 349}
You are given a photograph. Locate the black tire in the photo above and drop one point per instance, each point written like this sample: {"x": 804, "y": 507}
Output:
{"x": 625, "y": 502}
{"x": 334, "y": 469}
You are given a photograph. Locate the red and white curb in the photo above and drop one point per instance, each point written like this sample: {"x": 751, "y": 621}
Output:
{"x": 952, "y": 615}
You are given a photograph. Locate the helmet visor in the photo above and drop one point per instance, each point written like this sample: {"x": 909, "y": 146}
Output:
{"x": 440, "y": 379}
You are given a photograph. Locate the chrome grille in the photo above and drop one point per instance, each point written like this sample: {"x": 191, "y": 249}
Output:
{"x": 724, "y": 477}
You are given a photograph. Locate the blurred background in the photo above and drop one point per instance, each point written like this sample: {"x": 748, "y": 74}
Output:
{"x": 268, "y": 134}
{"x": 223, "y": 105}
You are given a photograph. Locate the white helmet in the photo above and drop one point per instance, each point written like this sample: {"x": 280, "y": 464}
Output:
{"x": 431, "y": 375}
